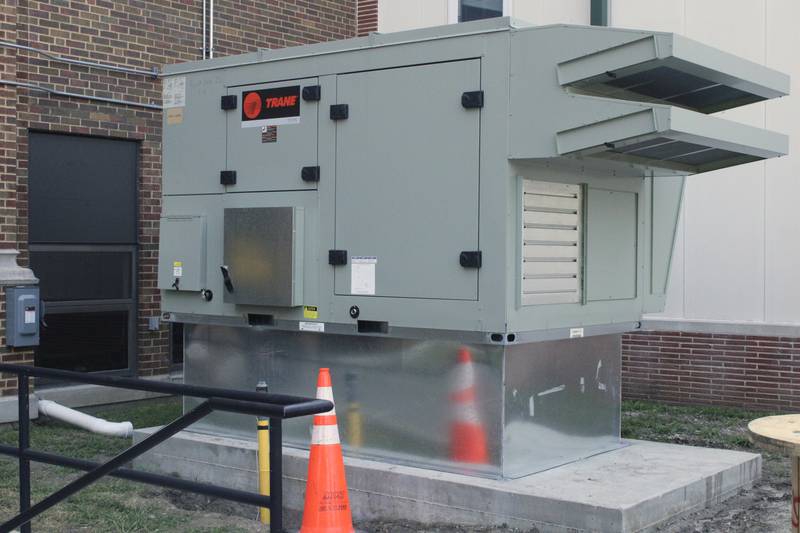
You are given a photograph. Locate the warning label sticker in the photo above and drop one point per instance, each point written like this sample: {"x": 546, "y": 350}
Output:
{"x": 362, "y": 275}
{"x": 271, "y": 107}
{"x": 174, "y": 92}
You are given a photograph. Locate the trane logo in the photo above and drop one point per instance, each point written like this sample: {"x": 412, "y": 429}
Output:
{"x": 281, "y": 101}
{"x": 265, "y": 107}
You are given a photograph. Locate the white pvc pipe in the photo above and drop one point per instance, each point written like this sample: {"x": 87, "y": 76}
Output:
{"x": 84, "y": 421}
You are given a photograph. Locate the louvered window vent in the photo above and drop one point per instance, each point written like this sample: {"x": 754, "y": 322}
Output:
{"x": 551, "y": 243}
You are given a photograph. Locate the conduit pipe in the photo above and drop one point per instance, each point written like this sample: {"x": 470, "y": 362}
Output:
{"x": 55, "y": 92}
{"x": 84, "y": 421}
{"x": 211, "y": 29}
{"x": 89, "y": 64}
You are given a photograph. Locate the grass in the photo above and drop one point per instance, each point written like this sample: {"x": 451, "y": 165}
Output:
{"x": 115, "y": 505}
{"x": 112, "y": 505}
{"x": 714, "y": 427}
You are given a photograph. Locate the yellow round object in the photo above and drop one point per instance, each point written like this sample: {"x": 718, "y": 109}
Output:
{"x": 780, "y": 433}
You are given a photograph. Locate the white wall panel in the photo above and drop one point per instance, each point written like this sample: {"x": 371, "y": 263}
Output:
{"x": 783, "y": 175}
{"x": 736, "y": 26}
{"x": 399, "y": 15}
{"x": 657, "y": 15}
{"x": 541, "y": 12}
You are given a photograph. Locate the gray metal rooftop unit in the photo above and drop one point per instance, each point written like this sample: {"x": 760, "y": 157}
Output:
{"x": 382, "y": 204}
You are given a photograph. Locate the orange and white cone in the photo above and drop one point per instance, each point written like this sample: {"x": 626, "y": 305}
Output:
{"x": 327, "y": 506}
{"x": 468, "y": 443}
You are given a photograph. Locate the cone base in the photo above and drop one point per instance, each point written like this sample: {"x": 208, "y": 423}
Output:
{"x": 468, "y": 444}
{"x": 327, "y": 504}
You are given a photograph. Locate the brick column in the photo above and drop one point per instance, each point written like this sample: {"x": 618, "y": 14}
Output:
{"x": 366, "y": 17}
{"x": 8, "y": 177}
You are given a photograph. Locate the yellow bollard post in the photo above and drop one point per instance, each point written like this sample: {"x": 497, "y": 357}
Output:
{"x": 263, "y": 458}
{"x": 355, "y": 423}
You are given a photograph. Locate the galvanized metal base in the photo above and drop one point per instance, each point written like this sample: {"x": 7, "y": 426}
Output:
{"x": 536, "y": 405}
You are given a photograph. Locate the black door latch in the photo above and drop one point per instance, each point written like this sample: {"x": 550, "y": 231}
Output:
{"x": 226, "y": 277}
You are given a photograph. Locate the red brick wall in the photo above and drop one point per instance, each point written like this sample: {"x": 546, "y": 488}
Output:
{"x": 367, "y": 16}
{"x": 135, "y": 34}
{"x": 702, "y": 368}
{"x": 8, "y": 156}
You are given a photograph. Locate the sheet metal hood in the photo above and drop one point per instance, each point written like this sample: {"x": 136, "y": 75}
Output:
{"x": 671, "y": 138}
{"x": 671, "y": 69}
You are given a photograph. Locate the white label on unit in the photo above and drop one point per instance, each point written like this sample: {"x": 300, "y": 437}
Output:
{"x": 177, "y": 268}
{"x": 30, "y": 317}
{"x": 575, "y": 333}
{"x": 319, "y": 327}
{"x": 174, "y": 93}
{"x": 362, "y": 275}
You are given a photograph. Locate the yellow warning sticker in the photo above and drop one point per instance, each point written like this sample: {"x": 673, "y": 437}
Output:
{"x": 177, "y": 263}
{"x": 310, "y": 311}
{"x": 174, "y": 116}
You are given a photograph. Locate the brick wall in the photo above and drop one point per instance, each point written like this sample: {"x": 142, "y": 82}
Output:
{"x": 367, "y": 16}
{"x": 703, "y": 368}
{"x": 134, "y": 34}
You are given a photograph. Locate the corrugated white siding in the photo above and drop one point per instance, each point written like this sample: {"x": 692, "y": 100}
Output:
{"x": 737, "y": 253}
{"x": 399, "y": 15}
{"x": 552, "y": 11}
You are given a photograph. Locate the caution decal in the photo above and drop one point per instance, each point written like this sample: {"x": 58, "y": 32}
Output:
{"x": 271, "y": 107}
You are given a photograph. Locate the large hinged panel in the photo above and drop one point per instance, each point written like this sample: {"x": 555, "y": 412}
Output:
{"x": 263, "y": 254}
{"x": 407, "y": 161}
{"x": 272, "y": 135}
{"x": 182, "y": 253}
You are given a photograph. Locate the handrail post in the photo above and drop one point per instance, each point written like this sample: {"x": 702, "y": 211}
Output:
{"x": 276, "y": 475}
{"x": 24, "y": 443}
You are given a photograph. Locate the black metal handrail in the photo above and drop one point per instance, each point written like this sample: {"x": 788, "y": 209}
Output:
{"x": 274, "y": 406}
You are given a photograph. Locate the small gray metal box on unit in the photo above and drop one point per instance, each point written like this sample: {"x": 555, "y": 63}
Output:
{"x": 442, "y": 197}
{"x": 23, "y": 313}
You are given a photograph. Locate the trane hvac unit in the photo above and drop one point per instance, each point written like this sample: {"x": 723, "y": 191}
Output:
{"x": 484, "y": 199}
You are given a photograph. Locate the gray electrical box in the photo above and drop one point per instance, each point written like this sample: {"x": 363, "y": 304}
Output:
{"x": 22, "y": 316}
{"x": 182, "y": 254}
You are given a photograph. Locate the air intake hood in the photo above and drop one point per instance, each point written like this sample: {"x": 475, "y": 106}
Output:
{"x": 671, "y": 138}
{"x": 635, "y": 100}
{"x": 672, "y": 69}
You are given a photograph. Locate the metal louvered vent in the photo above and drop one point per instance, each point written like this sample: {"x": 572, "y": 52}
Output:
{"x": 551, "y": 243}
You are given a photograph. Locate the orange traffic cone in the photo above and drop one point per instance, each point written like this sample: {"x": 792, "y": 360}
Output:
{"x": 327, "y": 508}
{"x": 467, "y": 434}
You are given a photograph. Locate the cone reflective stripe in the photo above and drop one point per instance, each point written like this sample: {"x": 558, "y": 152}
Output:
{"x": 468, "y": 442}
{"x": 327, "y": 505}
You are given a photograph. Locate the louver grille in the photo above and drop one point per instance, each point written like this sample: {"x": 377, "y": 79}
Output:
{"x": 551, "y": 246}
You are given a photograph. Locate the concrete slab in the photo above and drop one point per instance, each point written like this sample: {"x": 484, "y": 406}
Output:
{"x": 9, "y": 408}
{"x": 626, "y": 490}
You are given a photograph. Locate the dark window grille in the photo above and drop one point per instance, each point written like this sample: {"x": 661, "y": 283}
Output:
{"x": 479, "y": 9}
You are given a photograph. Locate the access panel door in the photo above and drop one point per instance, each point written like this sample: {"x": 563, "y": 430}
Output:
{"x": 272, "y": 135}
{"x": 407, "y": 182}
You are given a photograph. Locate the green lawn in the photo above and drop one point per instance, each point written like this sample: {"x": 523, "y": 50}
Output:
{"x": 713, "y": 427}
{"x": 110, "y": 504}
{"x": 122, "y": 506}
